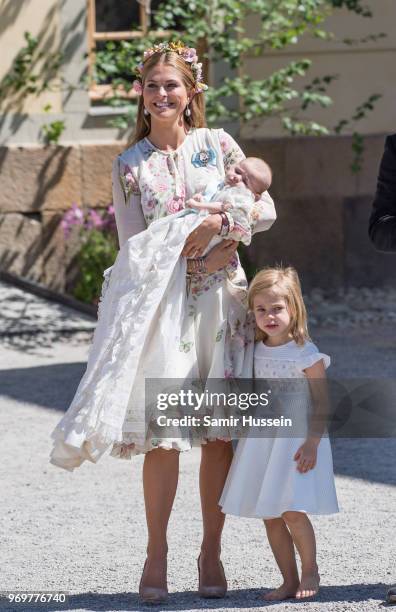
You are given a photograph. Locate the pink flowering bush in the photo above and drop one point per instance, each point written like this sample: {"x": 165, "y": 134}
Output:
{"x": 99, "y": 247}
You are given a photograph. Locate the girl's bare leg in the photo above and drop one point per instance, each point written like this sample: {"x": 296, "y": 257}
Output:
{"x": 283, "y": 549}
{"x": 160, "y": 476}
{"x": 215, "y": 462}
{"x": 303, "y": 535}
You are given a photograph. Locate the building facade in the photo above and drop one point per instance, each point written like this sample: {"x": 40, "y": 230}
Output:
{"x": 322, "y": 206}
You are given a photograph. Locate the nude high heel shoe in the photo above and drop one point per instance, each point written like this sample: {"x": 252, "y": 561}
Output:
{"x": 215, "y": 591}
{"x": 152, "y": 595}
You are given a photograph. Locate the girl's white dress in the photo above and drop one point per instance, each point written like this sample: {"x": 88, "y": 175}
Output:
{"x": 263, "y": 481}
{"x": 153, "y": 321}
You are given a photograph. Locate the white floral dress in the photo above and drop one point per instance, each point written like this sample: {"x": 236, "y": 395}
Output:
{"x": 154, "y": 324}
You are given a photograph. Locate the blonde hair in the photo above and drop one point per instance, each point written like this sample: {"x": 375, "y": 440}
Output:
{"x": 197, "y": 104}
{"x": 285, "y": 283}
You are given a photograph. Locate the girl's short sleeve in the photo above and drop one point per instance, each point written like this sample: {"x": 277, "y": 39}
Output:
{"x": 126, "y": 201}
{"x": 310, "y": 355}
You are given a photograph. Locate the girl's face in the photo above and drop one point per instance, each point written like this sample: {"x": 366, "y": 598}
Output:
{"x": 164, "y": 93}
{"x": 272, "y": 317}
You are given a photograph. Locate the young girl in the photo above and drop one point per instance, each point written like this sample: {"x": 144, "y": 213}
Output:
{"x": 281, "y": 479}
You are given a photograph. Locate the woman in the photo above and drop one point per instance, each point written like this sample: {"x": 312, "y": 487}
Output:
{"x": 172, "y": 157}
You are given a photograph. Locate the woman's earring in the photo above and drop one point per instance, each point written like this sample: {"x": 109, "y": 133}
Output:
{"x": 187, "y": 112}
{"x": 145, "y": 112}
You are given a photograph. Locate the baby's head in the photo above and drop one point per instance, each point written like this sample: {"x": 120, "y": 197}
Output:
{"x": 255, "y": 173}
{"x": 276, "y": 299}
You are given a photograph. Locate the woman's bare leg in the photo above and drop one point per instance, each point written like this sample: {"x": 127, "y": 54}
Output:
{"x": 283, "y": 549}
{"x": 303, "y": 535}
{"x": 215, "y": 462}
{"x": 160, "y": 476}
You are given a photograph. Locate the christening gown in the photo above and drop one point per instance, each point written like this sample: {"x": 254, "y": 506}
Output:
{"x": 154, "y": 321}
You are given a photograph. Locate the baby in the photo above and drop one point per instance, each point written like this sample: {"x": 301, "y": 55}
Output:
{"x": 250, "y": 175}
{"x": 235, "y": 196}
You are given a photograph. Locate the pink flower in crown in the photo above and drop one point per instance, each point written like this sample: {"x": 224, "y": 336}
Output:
{"x": 198, "y": 71}
{"x": 201, "y": 87}
{"x": 190, "y": 55}
{"x": 174, "y": 205}
{"x": 137, "y": 87}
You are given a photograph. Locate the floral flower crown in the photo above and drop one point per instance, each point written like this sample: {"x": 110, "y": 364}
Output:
{"x": 189, "y": 55}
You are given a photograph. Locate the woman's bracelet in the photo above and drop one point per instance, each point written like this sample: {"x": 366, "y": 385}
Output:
{"x": 225, "y": 225}
{"x": 197, "y": 266}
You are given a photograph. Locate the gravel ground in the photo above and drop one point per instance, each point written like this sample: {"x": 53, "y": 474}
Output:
{"x": 84, "y": 533}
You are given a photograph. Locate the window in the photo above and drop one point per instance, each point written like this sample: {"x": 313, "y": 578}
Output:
{"x": 129, "y": 20}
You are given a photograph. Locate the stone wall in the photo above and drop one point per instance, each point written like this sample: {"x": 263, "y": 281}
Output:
{"x": 322, "y": 209}
{"x": 38, "y": 185}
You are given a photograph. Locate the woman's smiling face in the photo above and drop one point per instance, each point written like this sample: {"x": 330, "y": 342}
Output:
{"x": 164, "y": 93}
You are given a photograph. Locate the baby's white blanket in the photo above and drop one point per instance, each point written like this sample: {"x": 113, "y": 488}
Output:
{"x": 145, "y": 296}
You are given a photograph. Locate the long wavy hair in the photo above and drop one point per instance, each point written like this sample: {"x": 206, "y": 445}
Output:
{"x": 285, "y": 283}
{"x": 197, "y": 105}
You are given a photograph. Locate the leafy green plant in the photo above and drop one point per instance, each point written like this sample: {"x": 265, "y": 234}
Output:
{"x": 33, "y": 72}
{"x": 54, "y": 130}
{"x": 97, "y": 253}
{"x": 27, "y": 74}
{"x": 98, "y": 249}
{"x": 221, "y": 27}
{"x": 360, "y": 113}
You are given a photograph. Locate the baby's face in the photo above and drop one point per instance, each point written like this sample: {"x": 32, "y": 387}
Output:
{"x": 245, "y": 172}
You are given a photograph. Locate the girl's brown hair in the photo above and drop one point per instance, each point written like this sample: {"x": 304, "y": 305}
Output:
{"x": 285, "y": 283}
{"x": 196, "y": 105}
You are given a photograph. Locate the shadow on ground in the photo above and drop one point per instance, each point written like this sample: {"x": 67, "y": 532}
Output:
{"x": 49, "y": 386}
{"x": 239, "y": 598}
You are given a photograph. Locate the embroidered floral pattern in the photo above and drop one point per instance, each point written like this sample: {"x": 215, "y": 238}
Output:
{"x": 128, "y": 182}
{"x": 232, "y": 154}
{"x": 162, "y": 186}
{"x": 174, "y": 205}
{"x": 185, "y": 347}
{"x": 203, "y": 158}
{"x": 201, "y": 283}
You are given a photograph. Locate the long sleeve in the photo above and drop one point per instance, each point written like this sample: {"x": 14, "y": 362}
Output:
{"x": 241, "y": 205}
{"x": 263, "y": 214}
{"x": 382, "y": 223}
{"x": 126, "y": 200}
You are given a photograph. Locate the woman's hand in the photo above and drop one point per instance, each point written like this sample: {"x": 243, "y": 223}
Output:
{"x": 199, "y": 239}
{"x": 220, "y": 255}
